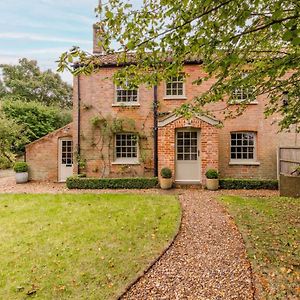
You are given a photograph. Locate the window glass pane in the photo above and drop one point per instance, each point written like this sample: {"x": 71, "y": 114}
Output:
{"x": 180, "y": 156}
{"x": 187, "y": 156}
{"x": 193, "y": 156}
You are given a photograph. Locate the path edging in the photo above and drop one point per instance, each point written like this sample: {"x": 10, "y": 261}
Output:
{"x": 154, "y": 261}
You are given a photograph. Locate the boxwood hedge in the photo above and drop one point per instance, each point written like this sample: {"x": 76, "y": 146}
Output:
{"x": 248, "y": 184}
{"x": 76, "y": 182}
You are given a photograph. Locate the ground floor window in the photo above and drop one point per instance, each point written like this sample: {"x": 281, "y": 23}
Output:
{"x": 126, "y": 147}
{"x": 242, "y": 146}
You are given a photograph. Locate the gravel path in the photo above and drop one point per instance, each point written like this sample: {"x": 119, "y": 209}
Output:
{"x": 207, "y": 260}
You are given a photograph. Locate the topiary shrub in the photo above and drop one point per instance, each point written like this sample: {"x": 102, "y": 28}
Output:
{"x": 212, "y": 174}
{"x": 75, "y": 182}
{"x": 20, "y": 167}
{"x": 248, "y": 184}
{"x": 166, "y": 173}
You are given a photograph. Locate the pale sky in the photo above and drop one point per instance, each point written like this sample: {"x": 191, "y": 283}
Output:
{"x": 43, "y": 29}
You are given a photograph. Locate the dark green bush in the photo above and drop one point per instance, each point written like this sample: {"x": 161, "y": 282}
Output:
{"x": 20, "y": 167}
{"x": 212, "y": 174}
{"x": 111, "y": 183}
{"x": 248, "y": 184}
{"x": 166, "y": 173}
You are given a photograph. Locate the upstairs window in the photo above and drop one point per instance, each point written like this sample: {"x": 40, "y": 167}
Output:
{"x": 242, "y": 146}
{"x": 126, "y": 147}
{"x": 175, "y": 86}
{"x": 126, "y": 95}
{"x": 242, "y": 93}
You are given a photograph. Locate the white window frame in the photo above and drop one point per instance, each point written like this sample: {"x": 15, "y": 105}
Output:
{"x": 183, "y": 96}
{"x": 244, "y": 161}
{"x": 245, "y": 94}
{"x": 126, "y": 160}
{"x": 126, "y": 103}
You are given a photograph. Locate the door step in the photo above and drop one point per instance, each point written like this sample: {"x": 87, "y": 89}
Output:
{"x": 188, "y": 186}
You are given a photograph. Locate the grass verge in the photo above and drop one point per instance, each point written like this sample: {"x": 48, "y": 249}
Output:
{"x": 80, "y": 246}
{"x": 270, "y": 228}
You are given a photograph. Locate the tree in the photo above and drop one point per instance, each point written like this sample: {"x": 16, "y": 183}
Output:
{"x": 36, "y": 119}
{"x": 26, "y": 81}
{"x": 10, "y": 139}
{"x": 260, "y": 37}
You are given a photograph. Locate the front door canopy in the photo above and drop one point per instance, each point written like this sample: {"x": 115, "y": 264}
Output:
{"x": 173, "y": 117}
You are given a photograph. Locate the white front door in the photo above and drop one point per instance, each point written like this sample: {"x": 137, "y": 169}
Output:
{"x": 188, "y": 167}
{"x": 65, "y": 159}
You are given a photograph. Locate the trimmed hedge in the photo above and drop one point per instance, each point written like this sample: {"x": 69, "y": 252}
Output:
{"x": 248, "y": 184}
{"x": 111, "y": 183}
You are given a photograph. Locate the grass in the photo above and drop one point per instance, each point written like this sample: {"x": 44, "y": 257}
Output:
{"x": 270, "y": 228}
{"x": 80, "y": 246}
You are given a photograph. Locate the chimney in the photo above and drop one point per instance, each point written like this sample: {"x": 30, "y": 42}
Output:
{"x": 97, "y": 35}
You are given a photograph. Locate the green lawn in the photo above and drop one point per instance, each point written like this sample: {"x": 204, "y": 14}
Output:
{"x": 270, "y": 228}
{"x": 80, "y": 246}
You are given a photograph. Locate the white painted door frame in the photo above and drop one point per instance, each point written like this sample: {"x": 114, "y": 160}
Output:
{"x": 65, "y": 158}
{"x": 187, "y": 156}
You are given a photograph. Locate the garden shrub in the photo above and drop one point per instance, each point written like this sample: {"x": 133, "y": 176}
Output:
{"x": 166, "y": 173}
{"x": 76, "y": 182}
{"x": 212, "y": 174}
{"x": 248, "y": 184}
{"x": 20, "y": 167}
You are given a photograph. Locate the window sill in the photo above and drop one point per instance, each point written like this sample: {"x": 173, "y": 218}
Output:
{"x": 175, "y": 98}
{"x": 125, "y": 162}
{"x": 237, "y": 102}
{"x": 244, "y": 163}
{"x": 125, "y": 104}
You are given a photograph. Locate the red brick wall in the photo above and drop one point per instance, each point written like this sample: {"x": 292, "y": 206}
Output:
{"x": 97, "y": 94}
{"x": 208, "y": 145}
{"x": 42, "y": 155}
{"x": 97, "y": 97}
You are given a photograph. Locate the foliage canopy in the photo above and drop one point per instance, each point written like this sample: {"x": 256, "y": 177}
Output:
{"x": 27, "y": 82}
{"x": 260, "y": 37}
{"x": 11, "y": 138}
{"x": 36, "y": 119}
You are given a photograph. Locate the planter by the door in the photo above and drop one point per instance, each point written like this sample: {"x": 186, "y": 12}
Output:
{"x": 21, "y": 177}
{"x": 212, "y": 179}
{"x": 21, "y": 169}
{"x": 166, "y": 183}
{"x": 212, "y": 184}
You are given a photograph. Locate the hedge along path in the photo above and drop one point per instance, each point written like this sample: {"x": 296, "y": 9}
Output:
{"x": 206, "y": 261}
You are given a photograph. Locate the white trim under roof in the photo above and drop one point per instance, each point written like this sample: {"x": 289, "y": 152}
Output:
{"x": 173, "y": 117}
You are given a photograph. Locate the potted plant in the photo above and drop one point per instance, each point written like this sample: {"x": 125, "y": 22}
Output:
{"x": 212, "y": 181}
{"x": 166, "y": 180}
{"x": 21, "y": 169}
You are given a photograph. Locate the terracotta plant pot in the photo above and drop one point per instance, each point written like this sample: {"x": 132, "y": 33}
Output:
{"x": 212, "y": 184}
{"x": 166, "y": 183}
{"x": 21, "y": 177}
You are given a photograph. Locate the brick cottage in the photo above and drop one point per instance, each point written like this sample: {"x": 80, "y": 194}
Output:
{"x": 115, "y": 133}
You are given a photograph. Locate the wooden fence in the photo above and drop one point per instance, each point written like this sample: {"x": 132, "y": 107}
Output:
{"x": 288, "y": 160}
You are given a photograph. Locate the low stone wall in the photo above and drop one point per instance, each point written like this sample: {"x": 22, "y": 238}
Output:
{"x": 289, "y": 186}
